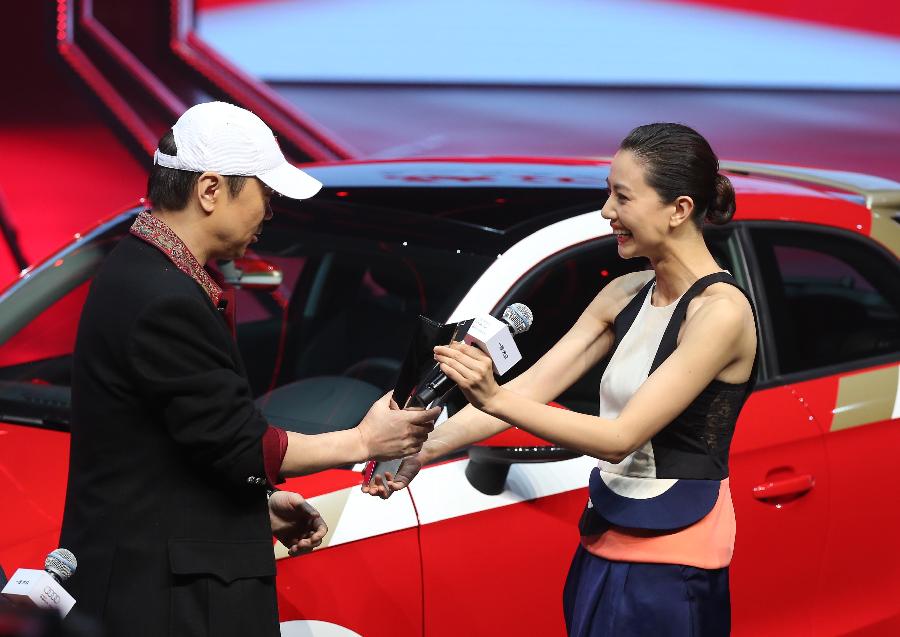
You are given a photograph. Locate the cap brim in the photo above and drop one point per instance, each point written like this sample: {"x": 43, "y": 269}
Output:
{"x": 290, "y": 181}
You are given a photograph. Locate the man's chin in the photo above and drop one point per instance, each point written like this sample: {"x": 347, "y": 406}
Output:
{"x": 235, "y": 253}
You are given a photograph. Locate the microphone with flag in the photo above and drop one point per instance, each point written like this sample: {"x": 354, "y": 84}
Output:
{"x": 494, "y": 337}
{"x": 43, "y": 589}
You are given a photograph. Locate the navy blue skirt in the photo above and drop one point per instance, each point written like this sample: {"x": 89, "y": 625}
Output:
{"x": 631, "y": 599}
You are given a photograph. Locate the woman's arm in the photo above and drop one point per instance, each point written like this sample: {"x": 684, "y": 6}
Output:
{"x": 576, "y": 353}
{"x": 582, "y": 347}
{"x": 714, "y": 337}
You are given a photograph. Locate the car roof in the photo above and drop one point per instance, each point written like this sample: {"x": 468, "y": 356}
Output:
{"x": 536, "y": 172}
{"x": 757, "y": 177}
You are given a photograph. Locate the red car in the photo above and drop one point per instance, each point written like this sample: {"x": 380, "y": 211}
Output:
{"x": 480, "y": 543}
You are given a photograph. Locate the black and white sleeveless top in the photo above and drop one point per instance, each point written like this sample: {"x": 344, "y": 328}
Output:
{"x": 673, "y": 480}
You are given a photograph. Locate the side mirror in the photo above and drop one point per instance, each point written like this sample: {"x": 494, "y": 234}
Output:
{"x": 490, "y": 460}
{"x": 250, "y": 272}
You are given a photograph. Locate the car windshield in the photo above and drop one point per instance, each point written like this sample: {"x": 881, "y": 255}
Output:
{"x": 358, "y": 267}
{"x": 345, "y": 308}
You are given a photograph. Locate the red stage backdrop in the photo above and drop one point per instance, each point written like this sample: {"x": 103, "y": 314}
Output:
{"x": 877, "y": 16}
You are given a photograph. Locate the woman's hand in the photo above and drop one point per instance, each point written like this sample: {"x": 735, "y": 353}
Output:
{"x": 472, "y": 370}
{"x": 408, "y": 470}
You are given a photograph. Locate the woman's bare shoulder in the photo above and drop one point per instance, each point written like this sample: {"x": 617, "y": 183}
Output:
{"x": 723, "y": 310}
{"x": 627, "y": 285}
{"x": 722, "y": 297}
{"x": 613, "y": 298}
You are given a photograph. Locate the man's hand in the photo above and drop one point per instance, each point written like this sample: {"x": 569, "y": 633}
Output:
{"x": 408, "y": 470}
{"x": 388, "y": 432}
{"x": 295, "y": 523}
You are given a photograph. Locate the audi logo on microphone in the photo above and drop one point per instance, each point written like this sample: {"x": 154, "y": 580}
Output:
{"x": 52, "y": 595}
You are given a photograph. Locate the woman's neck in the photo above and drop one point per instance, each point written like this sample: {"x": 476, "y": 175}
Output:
{"x": 679, "y": 266}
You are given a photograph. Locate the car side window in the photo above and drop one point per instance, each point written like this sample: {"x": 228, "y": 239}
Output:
{"x": 557, "y": 293}
{"x": 344, "y": 309}
{"x": 833, "y": 298}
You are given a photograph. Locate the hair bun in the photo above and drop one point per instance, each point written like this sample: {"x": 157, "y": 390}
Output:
{"x": 722, "y": 206}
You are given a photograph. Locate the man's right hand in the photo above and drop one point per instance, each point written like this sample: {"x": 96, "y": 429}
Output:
{"x": 388, "y": 432}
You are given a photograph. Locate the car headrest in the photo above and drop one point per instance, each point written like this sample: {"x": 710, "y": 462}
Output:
{"x": 398, "y": 278}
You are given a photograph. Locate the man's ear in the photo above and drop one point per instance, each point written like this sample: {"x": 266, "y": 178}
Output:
{"x": 210, "y": 191}
{"x": 682, "y": 209}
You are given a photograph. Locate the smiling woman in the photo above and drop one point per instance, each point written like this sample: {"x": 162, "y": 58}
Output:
{"x": 664, "y": 185}
{"x": 679, "y": 162}
{"x": 680, "y": 344}
{"x": 660, "y": 165}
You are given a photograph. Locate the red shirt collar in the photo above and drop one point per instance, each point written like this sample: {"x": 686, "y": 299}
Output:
{"x": 155, "y": 232}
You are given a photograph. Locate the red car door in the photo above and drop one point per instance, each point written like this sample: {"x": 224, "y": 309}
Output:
{"x": 859, "y": 591}
{"x": 834, "y": 304}
{"x": 496, "y": 564}
{"x": 779, "y": 484}
{"x": 367, "y": 574}
{"x": 34, "y": 464}
{"x": 34, "y": 440}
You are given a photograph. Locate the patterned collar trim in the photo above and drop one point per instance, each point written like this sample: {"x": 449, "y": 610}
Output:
{"x": 155, "y": 232}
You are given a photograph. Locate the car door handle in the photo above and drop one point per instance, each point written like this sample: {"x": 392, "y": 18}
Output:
{"x": 795, "y": 485}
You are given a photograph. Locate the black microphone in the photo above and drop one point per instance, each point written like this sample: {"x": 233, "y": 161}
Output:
{"x": 496, "y": 343}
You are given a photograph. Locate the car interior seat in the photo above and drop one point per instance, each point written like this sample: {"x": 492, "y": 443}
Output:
{"x": 823, "y": 325}
{"x": 319, "y": 404}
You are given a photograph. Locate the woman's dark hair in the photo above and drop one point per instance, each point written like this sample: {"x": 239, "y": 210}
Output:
{"x": 678, "y": 161}
{"x": 170, "y": 189}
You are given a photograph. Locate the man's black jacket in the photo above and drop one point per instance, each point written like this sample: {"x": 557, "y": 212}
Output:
{"x": 166, "y": 509}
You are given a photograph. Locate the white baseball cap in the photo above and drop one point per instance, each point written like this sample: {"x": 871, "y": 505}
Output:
{"x": 224, "y": 138}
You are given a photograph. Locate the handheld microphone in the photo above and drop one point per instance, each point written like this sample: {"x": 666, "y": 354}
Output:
{"x": 494, "y": 337}
{"x": 31, "y": 587}
{"x": 61, "y": 564}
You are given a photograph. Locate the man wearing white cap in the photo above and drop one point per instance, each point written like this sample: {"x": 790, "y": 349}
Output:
{"x": 171, "y": 462}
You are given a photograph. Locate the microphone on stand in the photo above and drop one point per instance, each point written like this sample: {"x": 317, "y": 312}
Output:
{"x": 43, "y": 589}
{"x": 494, "y": 337}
